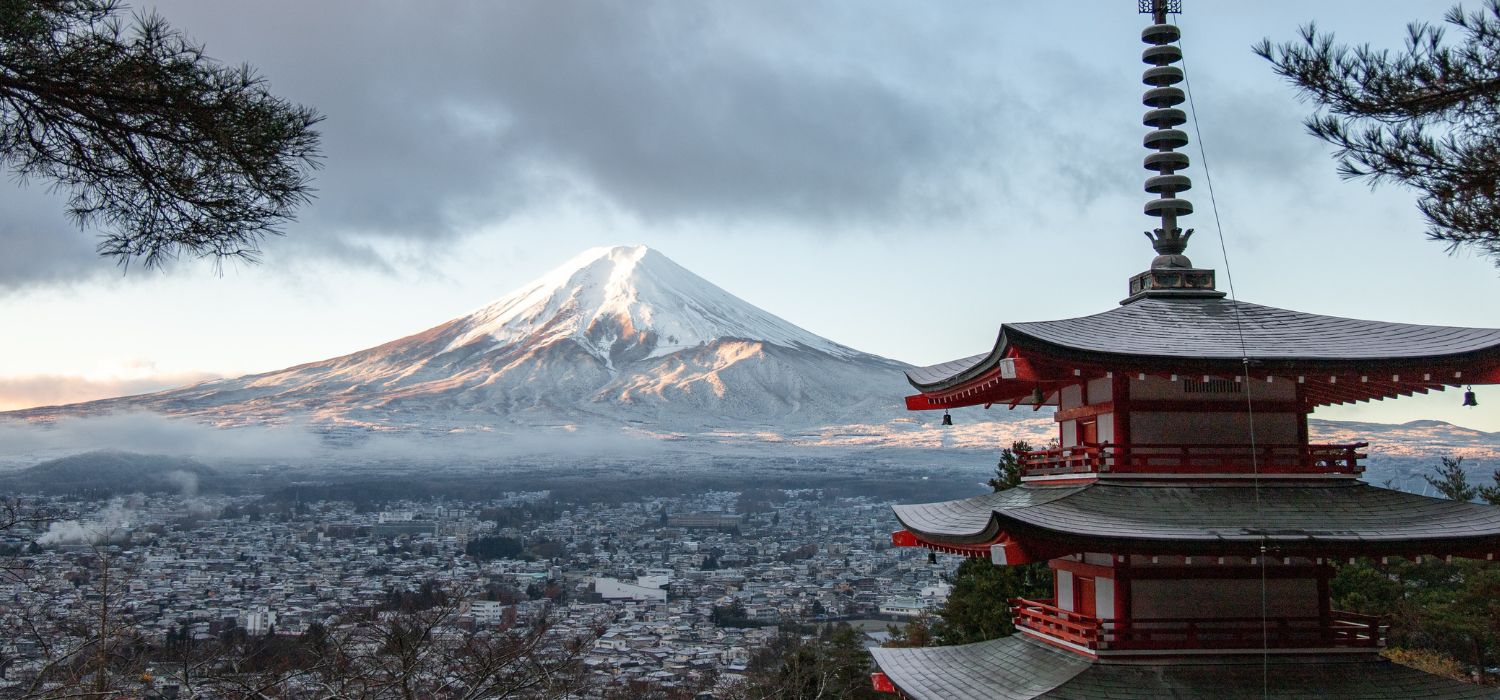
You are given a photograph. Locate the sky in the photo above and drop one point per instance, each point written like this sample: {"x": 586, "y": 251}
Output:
{"x": 899, "y": 177}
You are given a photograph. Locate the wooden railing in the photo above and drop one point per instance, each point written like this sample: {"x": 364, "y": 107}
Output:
{"x": 1044, "y": 617}
{"x": 1080, "y": 459}
{"x": 1338, "y": 630}
{"x": 1091, "y": 458}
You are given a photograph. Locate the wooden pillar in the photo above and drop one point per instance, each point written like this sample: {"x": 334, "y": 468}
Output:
{"x": 1302, "y": 411}
{"x": 1121, "y": 393}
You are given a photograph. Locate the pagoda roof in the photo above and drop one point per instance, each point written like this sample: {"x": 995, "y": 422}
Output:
{"x": 1168, "y": 330}
{"x": 1153, "y": 517}
{"x": 1019, "y": 668}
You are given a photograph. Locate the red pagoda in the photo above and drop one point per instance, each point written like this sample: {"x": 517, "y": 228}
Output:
{"x": 1190, "y": 524}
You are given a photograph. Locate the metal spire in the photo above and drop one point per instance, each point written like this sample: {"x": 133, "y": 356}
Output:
{"x": 1169, "y": 240}
{"x": 1171, "y": 271}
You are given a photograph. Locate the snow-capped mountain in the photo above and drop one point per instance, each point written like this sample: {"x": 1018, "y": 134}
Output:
{"x": 619, "y": 335}
{"x": 629, "y": 303}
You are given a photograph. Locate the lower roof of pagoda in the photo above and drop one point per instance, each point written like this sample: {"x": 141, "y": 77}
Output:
{"x": 1347, "y": 516}
{"x": 1165, "y": 333}
{"x": 1019, "y": 668}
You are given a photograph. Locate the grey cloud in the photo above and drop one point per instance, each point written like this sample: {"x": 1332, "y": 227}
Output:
{"x": 826, "y": 116}
{"x": 1274, "y": 150}
{"x": 37, "y": 242}
{"x": 441, "y": 118}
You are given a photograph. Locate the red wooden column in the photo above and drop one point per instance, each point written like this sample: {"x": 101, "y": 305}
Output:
{"x": 1302, "y": 411}
{"x": 1121, "y": 390}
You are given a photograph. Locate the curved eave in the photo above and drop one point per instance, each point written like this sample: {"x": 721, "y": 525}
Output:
{"x": 1019, "y": 668}
{"x": 1205, "y": 333}
{"x": 1484, "y": 364}
{"x": 1200, "y": 519}
{"x": 969, "y": 521}
{"x": 947, "y": 375}
{"x": 1009, "y": 668}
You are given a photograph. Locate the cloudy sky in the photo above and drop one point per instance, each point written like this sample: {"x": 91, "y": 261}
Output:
{"x": 901, "y": 177}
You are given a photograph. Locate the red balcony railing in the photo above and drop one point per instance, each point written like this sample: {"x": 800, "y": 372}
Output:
{"x": 1091, "y": 458}
{"x": 1338, "y": 630}
{"x": 1044, "y": 617}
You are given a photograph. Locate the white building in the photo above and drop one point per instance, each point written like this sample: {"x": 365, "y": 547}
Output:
{"x": 615, "y": 589}
{"x": 936, "y": 593}
{"x": 258, "y": 620}
{"x": 906, "y": 607}
{"x": 488, "y": 612}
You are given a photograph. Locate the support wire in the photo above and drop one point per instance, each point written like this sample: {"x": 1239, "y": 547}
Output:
{"x": 1265, "y": 668}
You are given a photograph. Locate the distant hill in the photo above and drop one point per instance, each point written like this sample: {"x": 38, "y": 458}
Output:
{"x": 1418, "y": 438}
{"x": 113, "y": 471}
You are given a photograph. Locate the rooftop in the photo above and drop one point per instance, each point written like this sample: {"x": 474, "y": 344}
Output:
{"x": 1171, "y": 330}
{"x": 1017, "y": 668}
{"x": 1294, "y": 517}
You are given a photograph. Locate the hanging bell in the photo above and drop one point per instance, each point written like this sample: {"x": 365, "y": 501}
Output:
{"x": 947, "y": 419}
{"x": 1037, "y": 397}
{"x": 1469, "y": 399}
{"x": 932, "y": 557}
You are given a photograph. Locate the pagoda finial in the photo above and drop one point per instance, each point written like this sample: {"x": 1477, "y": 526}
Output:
{"x": 1162, "y": 97}
{"x": 1169, "y": 240}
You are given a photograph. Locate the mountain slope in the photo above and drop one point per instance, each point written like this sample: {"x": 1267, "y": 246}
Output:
{"x": 615, "y": 335}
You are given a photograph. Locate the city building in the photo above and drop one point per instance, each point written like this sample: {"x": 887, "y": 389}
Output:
{"x": 615, "y": 589}
{"x": 705, "y": 521}
{"x": 1190, "y": 524}
{"x": 904, "y": 607}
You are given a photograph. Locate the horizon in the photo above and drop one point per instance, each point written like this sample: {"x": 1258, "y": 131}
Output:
{"x": 852, "y": 147}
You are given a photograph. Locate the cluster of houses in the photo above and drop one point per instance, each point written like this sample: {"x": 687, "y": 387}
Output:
{"x": 679, "y": 591}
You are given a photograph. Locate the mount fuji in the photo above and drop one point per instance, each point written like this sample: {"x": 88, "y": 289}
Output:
{"x": 620, "y": 336}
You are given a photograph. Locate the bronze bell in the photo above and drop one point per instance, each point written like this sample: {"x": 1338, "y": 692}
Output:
{"x": 947, "y": 419}
{"x": 1469, "y": 399}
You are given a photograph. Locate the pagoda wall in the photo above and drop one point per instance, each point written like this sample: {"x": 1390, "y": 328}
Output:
{"x": 1216, "y": 389}
{"x": 1221, "y": 598}
{"x": 1096, "y": 392}
{"x": 1210, "y": 411}
{"x": 1067, "y": 573}
{"x": 1099, "y": 391}
{"x": 1172, "y": 428}
{"x": 1180, "y": 411}
{"x": 1174, "y": 587}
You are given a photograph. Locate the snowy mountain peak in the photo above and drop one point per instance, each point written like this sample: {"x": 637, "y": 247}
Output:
{"x": 620, "y": 336}
{"x": 628, "y": 303}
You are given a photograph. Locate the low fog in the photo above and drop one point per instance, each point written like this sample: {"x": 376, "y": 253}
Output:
{"x": 22, "y": 444}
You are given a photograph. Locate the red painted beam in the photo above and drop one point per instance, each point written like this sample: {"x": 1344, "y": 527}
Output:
{"x": 1002, "y": 550}
{"x": 920, "y": 402}
{"x": 1065, "y": 414}
{"x": 882, "y": 683}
